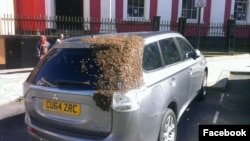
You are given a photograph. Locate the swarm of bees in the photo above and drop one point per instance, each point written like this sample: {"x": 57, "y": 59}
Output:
{"x": 120, "y": 61}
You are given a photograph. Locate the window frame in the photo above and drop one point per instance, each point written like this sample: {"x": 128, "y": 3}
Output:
{"x": 146, "y": 11}
{"x": 187, "y": 8}
{"x": 247, "y": 10}
{"x": 191, "y": 20}
{"x": 137, "y": 5}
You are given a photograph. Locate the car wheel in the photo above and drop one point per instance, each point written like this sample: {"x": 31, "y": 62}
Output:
{"x": 168, "y": 128}
{"x": 203, "y": 90}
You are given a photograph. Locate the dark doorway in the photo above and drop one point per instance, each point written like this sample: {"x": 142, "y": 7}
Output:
{"x": 69, "y": 8}
{"x": 70, "y": 15}
{"x": 13, "y": 53}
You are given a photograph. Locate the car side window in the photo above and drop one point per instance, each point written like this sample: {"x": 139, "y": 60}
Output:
{"x": 169, "y": 51}
{"x": 186, "y": 50}
{"x": 151, "y": 57}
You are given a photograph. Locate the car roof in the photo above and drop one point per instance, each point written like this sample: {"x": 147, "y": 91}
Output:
{"x": 146, "y": 35}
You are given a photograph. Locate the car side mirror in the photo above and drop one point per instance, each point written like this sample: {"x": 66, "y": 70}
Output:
{"x": 197, "y": 53}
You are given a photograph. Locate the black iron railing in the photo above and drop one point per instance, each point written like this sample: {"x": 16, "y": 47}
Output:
{"x": 74, "y": 26}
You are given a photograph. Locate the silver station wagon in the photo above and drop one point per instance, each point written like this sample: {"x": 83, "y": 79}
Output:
{"x": 114, "y": 87}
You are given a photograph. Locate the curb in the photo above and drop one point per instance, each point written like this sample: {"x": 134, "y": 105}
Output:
{"x": 11, "y": 109}
{"x": 223, "y": 79}
{"x": 215, "y": 58}
{"x": 221, "y": 82}
{"x": 20, "y": 70}
{"x": 240, "y": 72}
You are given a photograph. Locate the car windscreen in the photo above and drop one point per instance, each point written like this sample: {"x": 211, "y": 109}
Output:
{"x": 67, "y": 68}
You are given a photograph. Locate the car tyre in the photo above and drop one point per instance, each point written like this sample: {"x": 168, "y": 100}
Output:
{"x": 203, "y": 90}
{"x": 168, "y": 128}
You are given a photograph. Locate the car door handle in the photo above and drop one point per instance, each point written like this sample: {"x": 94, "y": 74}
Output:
{"x": 172, "y": 81}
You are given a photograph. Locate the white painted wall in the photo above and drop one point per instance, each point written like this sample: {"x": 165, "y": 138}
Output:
{"x": 86, "y": 9}
{"x": 7, "y": 8}
{"x": 108, "y": 9}
{"x": 50, "y": 12}
{"x": 164, "y": 9}
{"x": 217, "y": 17}
{"x": 108, "y": 14}
{"x": 50, "y": 8}
{"x": 217, "y": 11}
{"x": 248, "y": 15}
{"x": 86, "y": 13}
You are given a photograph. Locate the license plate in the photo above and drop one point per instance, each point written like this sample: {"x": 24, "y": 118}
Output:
{"x": 62, "y": 107}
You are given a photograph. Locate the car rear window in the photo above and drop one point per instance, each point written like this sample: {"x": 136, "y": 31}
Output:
{"x": 67, "y": 68}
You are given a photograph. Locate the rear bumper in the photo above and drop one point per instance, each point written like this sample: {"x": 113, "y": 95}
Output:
{"x": 126, "y": 127}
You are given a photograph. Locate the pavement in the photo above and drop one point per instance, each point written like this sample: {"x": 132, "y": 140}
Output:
{"x": 220, "y": 67}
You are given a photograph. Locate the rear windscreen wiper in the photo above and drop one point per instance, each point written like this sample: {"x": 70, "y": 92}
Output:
{"x": 45, "y": 82}
{"x": 67, "y": 82}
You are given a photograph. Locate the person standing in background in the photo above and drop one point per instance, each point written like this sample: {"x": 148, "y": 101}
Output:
{"x": 60, "y": 38}
{"x": 43, "y": 47}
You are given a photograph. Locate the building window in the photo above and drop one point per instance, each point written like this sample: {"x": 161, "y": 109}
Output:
{"x": 188, "y": 9}
{"x": 240, "y": 10}
{"x": 135, "y": 8}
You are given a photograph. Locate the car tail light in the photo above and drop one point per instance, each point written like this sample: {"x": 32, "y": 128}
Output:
{"x": 32, "y": 130}
{"x": 125, "y": 102}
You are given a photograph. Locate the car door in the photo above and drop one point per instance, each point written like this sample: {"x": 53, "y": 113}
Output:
{"x": 179, "y": 78}
{"x": 194, "y": 68}
{"x": 155, "y": 79}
